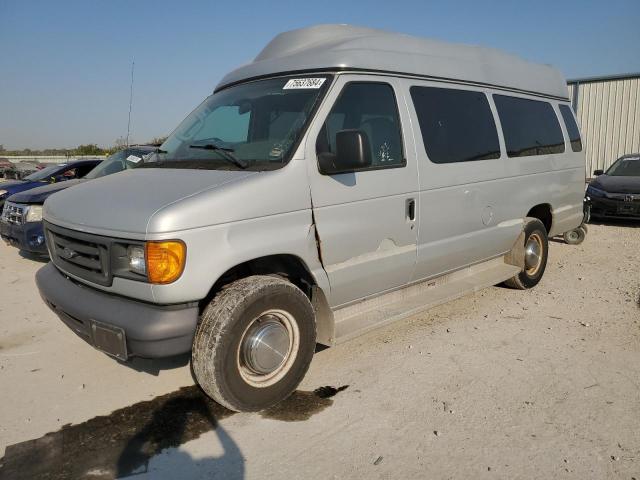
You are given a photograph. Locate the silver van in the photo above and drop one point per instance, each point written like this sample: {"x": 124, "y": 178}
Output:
{"x": 345, "y": 178}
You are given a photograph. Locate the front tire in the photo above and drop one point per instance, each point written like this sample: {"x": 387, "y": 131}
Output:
{"x": 254, "y": 343}
{"x": 536, "y": 251}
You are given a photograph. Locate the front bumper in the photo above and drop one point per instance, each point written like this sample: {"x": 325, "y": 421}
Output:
{"x": 28, "y": 236}
{"x": 103, "y": 320}
{"x": 614, "y": 208}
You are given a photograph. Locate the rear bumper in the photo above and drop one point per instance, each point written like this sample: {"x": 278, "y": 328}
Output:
{"x": 611, "y": 208}
{"x": 150, "y": 331}
{"x": 28, "y": 236}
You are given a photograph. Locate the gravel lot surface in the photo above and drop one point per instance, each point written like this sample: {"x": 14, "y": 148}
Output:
{"x": 500, "y": 384}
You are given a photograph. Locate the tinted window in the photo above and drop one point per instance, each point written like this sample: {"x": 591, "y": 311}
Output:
{"x": 572, "y": 128}
{"x": 530, "y": 127}
{"x": 371, "y": 108}
{"x": 456, "y": 125}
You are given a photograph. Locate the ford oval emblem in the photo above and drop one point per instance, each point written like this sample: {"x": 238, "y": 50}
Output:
{"x": 68, "y": 253}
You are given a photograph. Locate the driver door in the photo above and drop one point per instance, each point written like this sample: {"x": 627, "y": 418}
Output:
{"x": 365, "y": 219}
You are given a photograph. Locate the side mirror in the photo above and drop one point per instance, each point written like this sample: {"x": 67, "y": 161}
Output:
{"x": 598, "y": 172}
{"x": 352, "y": 153}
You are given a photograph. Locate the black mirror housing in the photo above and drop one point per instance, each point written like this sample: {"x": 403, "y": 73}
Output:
{"x": 352, "y": 153}
{"x": 598, "y": 172}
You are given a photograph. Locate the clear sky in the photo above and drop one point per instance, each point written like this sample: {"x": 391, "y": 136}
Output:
{"x": 65, "y": 65}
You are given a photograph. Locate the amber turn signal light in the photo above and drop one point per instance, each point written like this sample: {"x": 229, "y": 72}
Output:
{"x": 165, "y": 260}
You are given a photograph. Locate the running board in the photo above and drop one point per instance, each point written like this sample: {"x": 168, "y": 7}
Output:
{"x": 357, "y": 319}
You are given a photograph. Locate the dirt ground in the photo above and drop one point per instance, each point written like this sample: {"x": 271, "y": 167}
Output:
{"x": 500, "y": 384}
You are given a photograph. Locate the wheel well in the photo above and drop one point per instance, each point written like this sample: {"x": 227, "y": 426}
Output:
{"x": 288, "y": 266}
{"x": 543, "y": 213}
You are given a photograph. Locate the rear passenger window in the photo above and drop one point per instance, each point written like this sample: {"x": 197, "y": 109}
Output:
{"x": 572, "y": 128}
{"x": 530, "y": 127}
{"x": 371, "y": 108}
{"x": 456, "y": 125}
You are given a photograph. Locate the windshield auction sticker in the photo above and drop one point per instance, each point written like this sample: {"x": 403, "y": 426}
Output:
{"x": 304, "y": 83}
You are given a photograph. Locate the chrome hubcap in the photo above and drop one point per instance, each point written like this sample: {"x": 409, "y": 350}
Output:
{"x": 268, "y": 348}
{"x": 533, "y": 254}
{"x": 266, "y": 345}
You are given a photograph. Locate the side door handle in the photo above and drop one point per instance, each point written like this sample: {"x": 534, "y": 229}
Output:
{"x": 411, "y": 209}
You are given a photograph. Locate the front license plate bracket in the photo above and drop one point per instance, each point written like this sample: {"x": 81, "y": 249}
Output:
{"x": 109, "y": 339}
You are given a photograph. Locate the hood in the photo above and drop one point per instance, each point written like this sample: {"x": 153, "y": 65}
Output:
{"x": 617, "y": 184}
{"x": 15, "y": 186}
{"x": 40, "y": 194}
{"x": 124, "y": 204}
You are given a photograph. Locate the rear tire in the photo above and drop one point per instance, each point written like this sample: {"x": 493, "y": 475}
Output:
{"x": 575, "y": 236}
{"x": 536, "y": 253}
{"x": 254, "y": 343}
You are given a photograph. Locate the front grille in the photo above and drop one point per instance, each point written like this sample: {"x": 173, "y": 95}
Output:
{"x": 625, "y": 197}
{"x": 14, "y": 213}
{"x": 81, "y": 254}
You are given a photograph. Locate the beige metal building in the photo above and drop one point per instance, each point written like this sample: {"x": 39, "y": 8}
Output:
{"x": 608, "y": 111}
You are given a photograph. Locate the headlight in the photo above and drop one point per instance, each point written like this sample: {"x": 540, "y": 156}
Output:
{"x": 161, "y": 262}
{"x": 595, "y": 192}
{"x": 136, "y": 259}
{"x": 2, "y": 193}
{"x": 165, "y": 260}
{"x": 34, "y": 213}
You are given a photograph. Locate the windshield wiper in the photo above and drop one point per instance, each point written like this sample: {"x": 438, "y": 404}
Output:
{"x": 227, "y": 154}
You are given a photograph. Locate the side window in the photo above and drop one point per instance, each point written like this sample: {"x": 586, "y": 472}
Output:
{"x": 83, "y": 170}
{"x": 572, "y": 128}
{"x": 370, "y": 108}
{"x": 530, "y": 127}
{"x": 69, "y": 174}
{"x": 456, "y": 125}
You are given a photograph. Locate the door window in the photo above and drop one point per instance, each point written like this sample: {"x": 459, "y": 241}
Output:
{"x": 372, "y": 109}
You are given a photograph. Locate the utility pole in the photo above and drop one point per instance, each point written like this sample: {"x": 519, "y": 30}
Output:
{"x": 133, "y": 64}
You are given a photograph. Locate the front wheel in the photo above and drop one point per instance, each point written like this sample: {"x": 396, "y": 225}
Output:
{"x": 536, "y": 250}
{"x": 254, "y": 343}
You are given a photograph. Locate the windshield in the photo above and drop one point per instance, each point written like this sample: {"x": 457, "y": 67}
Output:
{"x": 255, "y": 126}
{"x": 44, "y": 174}
{"x": 122, "y": 160}
{"x": 625, "y": 167}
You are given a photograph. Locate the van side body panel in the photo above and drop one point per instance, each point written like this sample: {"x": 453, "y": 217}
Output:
{"x": 473, "y": 211}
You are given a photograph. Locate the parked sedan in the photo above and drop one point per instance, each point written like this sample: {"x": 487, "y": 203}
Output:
{"x": 21, "y": 221}
{"x": 616, "y": 192}
{"x": 20, "y": 170}
{"x": 5, "y": 165}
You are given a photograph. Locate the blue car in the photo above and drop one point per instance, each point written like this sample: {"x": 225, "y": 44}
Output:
{"x": 52, "y": 174}
{"x": 21, "y": 220}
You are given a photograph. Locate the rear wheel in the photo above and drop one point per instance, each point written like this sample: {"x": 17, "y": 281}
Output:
{"x": 254, "y": 343}
{"x": 536, "y": 249}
